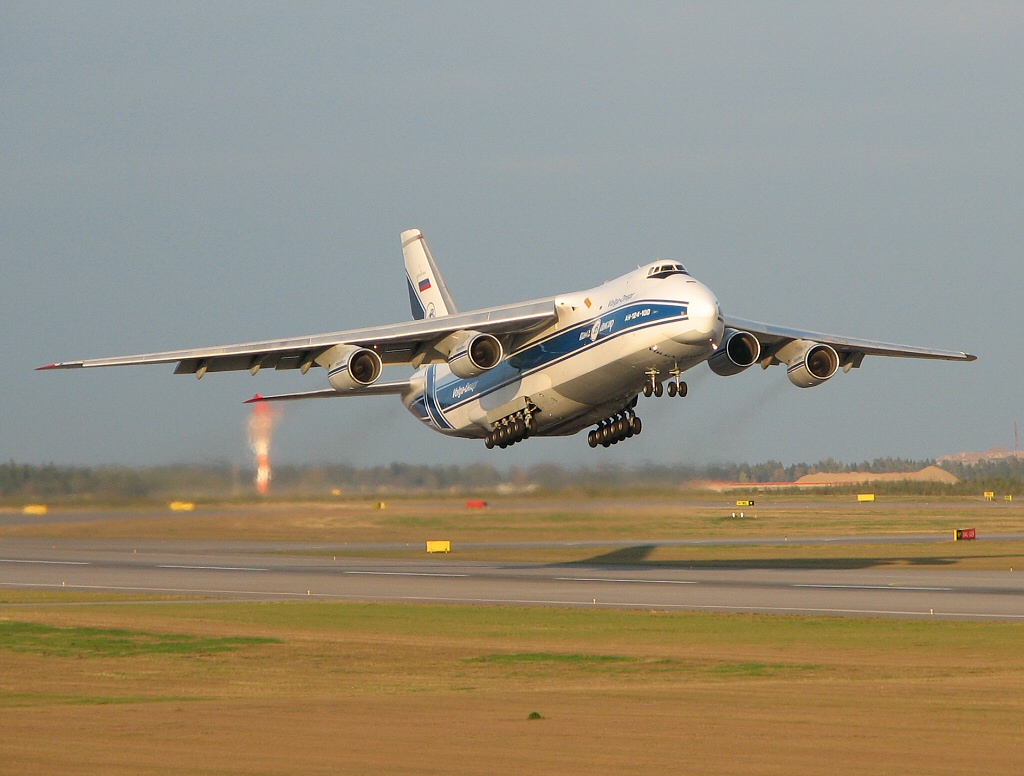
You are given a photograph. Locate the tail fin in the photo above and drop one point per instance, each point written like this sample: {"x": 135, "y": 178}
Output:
{"x": 428, "y": 295}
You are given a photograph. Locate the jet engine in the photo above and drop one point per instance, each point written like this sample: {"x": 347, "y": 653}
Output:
{"x": 739, "y": 349}
{"x": 813, "y": 365}
{"x": 473, "y": 353}
{"x": 353, "y": 367}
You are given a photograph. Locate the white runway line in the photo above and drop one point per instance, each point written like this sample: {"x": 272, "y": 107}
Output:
{"x": 402, "y": 574}
{"x": 654, "y": 606}
{"x": 48, "y": 562}
{"x": 632, "y": 581}
{"x": 213, "y": 568}
{"x": 877, "y": 587}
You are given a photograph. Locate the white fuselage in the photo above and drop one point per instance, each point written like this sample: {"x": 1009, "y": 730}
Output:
{"x": 606, "y": 344}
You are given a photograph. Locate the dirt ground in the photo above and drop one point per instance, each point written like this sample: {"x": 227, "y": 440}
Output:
{"x": 359, "y": 689}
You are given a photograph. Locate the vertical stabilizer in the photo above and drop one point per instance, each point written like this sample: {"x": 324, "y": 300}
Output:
{"x": 428, "y": 295}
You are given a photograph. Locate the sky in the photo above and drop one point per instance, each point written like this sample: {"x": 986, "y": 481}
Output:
{"x": 178, "y": 175}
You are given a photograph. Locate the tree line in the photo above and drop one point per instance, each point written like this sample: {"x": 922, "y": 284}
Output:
{"x": 20, "y": 482}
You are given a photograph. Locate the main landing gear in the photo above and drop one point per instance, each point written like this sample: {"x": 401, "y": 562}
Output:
{"x": 654, "y": 387}
{"x": 509, "y": 430}
{"x": 616, "y": 429}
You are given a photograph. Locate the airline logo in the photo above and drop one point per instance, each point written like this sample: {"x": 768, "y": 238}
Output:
{"x": 424, "y": 284}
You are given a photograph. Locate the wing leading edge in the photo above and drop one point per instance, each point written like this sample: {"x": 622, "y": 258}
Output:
{"x": 851, "y": 351}
{"x": 401, "y": 343}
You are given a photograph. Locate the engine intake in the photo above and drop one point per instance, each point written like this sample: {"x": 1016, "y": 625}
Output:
{"x": 813, "y": 366}
{"x": 739, "y": 350}
{"x": 353, "y": 367}
{"x": 474, "y": 353}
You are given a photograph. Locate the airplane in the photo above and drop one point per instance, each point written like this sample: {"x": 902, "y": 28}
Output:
{"x": 547, "y": 367}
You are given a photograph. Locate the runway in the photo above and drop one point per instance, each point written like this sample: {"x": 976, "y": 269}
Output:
{"x": 270, "y": 571}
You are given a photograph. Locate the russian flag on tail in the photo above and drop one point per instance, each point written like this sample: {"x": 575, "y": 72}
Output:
{"x": 424, "y": 284}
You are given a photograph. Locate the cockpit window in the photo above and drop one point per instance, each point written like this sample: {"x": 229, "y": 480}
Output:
{"x": 664, "y": 270}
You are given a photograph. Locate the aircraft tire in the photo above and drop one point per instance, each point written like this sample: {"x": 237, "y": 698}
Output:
{"x": 682, "y": 389}
{"x": 671, "y": 389}
{"x": 659, "y": 389}
{"x": 648, "y": 390}
{"x": 592, "y": 439}
{"x": 636, "y": 424}
{"x": 489, "y": 441}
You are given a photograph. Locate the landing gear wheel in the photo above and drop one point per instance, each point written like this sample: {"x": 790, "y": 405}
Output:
{"x": 671, "y": 389}
{"x": 592, "y": 439}
{"x": 489, "y": 441}
{"x": 636, "y": 425}
{"x": 658, "y": 389}
{"x": 682, "y": 389}
{"x": 648, "y": 390}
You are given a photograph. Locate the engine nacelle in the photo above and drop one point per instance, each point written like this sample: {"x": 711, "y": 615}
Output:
{"x": 474, "y": 353}
{"x": 813, "y": 366}
{"x": 739, "y": 349}
{"x": 353, "y": 367}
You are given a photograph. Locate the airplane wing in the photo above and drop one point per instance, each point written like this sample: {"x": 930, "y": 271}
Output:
{"x": 851, "y": 351}
{"x": 401, "y": 343}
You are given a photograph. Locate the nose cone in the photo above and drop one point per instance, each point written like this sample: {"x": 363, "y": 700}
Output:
{"x": 704, "y": 315}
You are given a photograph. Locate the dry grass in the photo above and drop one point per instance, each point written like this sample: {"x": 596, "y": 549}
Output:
{"x": 547, "y": 520}
{"x": 424, "y": 689}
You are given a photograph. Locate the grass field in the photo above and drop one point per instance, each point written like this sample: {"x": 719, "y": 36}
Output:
{"x": 351, "y": 688}
{"x": 543, "y": 519}
{"x": 92, "y": 683}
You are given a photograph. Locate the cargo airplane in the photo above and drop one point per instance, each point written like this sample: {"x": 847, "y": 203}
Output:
{"x": 549, "y": 367}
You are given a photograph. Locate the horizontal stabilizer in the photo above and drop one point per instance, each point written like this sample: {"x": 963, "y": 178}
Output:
{"x": 376, "y": 389}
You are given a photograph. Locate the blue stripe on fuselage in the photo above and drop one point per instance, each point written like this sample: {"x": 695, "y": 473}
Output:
{"x": 451, "y": 391}
{"x": 431, "y": 402}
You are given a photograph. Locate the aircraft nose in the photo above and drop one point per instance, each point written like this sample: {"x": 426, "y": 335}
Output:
{"x": 704, "y": 315}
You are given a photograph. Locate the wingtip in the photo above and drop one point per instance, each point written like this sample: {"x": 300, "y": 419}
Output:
{"x": 255, "y": 399}
{"x": 44, "y": 368}
{"x": 971, "y": 357}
